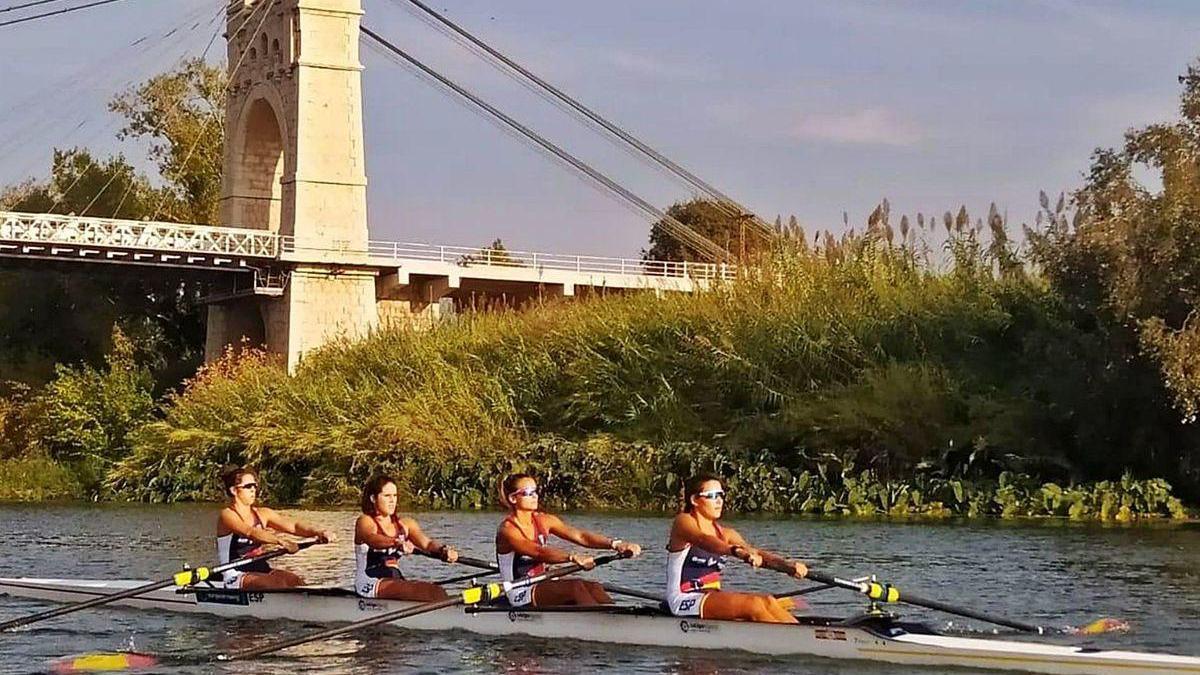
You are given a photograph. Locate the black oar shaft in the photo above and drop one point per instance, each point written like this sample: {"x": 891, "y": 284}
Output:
{"x": 131, "y": 592}
{"x": 887, "y": 593}
{"x": 465, "y": 577}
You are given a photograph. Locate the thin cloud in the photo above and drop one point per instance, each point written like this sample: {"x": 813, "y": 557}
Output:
{"x": 643, "y": 65}
{"x": 870, "y": 126}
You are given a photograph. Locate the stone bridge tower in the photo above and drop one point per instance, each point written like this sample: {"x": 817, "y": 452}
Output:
{"x": 294, "y": 164}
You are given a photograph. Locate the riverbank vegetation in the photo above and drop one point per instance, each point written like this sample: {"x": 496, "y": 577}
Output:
{"x": 935, "y": 365}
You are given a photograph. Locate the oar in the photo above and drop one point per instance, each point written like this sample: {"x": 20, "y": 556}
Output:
{"x": 881, "y": 592}
{"x": 471, "y": 596}
{"x": 465, "y": 577}
{"x": 611, "y": 588}
{"x": 187, "y": 577}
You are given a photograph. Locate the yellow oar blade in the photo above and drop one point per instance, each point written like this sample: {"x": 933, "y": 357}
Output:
{"x": 105, "y": 663}
{"x": 1105, "y": 625}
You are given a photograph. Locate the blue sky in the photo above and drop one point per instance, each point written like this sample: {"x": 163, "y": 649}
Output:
{"x": 791, "y": 107}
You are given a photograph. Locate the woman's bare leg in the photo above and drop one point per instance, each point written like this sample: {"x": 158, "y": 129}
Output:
{"x": 744, "y": 607}
{"x": 399, "y": 589}
{"x": 563, "y": 593}
{"x": 271, "y": 581}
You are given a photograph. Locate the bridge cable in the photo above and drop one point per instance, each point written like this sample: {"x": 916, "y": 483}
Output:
{"x": 56, "y": 12}
{"x": 89, "y": 74}
{"x": 27, "y": 4}
{"x": 233, "y": 72}
{"x": 722, "y": 201}
{"x": 172, "y": 114}
{"x": 697, "y": 242}
{"x": 192, "y": 17}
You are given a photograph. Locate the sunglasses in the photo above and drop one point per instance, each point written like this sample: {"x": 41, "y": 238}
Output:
{"x": 247, "y": 486}
{"x": 524, "y": 492}
{"x": 712, "y": 494}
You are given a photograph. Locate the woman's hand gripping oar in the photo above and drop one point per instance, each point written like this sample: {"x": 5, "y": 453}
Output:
{"x": 882, "y": 592}
{"x": 472, "y": 596}
{"x": 186, "y": 577}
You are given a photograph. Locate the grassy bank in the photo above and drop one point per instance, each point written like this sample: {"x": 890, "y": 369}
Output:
{"x": 859, "y": 357}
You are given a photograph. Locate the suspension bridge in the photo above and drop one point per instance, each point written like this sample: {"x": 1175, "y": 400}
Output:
{"x": 292, "y": 264}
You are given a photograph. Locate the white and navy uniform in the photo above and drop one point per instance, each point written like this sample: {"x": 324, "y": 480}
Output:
{"x": 514, "y": 567}
{"x": 373, "y": 565}
{"x": 692, "y": 573}
{"x": 234, "y": 546}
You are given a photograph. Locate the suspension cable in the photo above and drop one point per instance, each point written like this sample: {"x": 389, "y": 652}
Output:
{"x": 27, "y": 4}
{"x": 722, "y": 201}
{"x": 56, "y": 12}
{"x": 697, "y": 242}
{"x": 233, "y": 72}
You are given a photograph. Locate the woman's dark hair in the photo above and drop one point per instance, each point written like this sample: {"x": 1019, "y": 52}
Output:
{"x": 372, "y": 489}
{"x": 508, "y": 485}
{"x": 232, "y": 474}
{"x": 692, "y": 488}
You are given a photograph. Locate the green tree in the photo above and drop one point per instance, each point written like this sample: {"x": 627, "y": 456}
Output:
{"x": 58, "y": 315}
{"x": 734, "y": 233}
{"x": 1128, "y": 265}
{"x": 181, "y": 113}
{"x": 84, "y": 416}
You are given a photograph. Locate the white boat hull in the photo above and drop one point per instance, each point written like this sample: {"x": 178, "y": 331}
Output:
{"x": 872, "y": 639}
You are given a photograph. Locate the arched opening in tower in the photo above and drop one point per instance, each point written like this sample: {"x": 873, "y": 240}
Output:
{"x": 258, "y": 173}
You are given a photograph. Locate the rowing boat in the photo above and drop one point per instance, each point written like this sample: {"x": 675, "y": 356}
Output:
{"x": 872, "y": 637}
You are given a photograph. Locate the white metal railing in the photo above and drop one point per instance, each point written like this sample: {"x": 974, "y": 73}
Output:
{"x": 48, "y": 228}
{"x": 466, "y": 256}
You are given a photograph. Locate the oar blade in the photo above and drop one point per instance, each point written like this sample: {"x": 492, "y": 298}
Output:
{"x": 110, "y": 662}
{"x": 1101, "y": 626}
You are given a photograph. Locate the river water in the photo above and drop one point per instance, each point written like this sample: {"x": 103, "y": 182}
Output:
{"x": 1053, "y": 574}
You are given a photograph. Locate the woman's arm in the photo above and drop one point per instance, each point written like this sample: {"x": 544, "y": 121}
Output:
{"x": 366, "y": 531}
{"x": 686, "y": 530}
{"x": 426, "y": 543}
{"x": 511, "y": 538}
{"x": 278, "y": 521}
{"x": 588, "y": 539}
{"x": 229, "y": 520}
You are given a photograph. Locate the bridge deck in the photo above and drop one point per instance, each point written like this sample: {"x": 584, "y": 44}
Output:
{"x": 42, "y": 235}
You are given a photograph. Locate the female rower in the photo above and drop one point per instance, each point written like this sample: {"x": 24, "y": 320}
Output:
{"x": 696, "y": 553}
{"x": 381, "y": 538}
{"x": 521, "y": 549}
{"x": 243, "y": 529}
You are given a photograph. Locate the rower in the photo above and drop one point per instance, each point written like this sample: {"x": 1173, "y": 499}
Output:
{"x": 521, "y": 550}
{"x": 381, "y": 538}
{"x": 244, "y": 529}
{"x": 696, "y": 554}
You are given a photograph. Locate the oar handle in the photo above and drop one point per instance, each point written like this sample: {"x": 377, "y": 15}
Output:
{"x": 882, "y": 592}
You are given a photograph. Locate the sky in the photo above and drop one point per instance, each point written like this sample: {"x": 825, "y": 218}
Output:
{"x": 791, "y": 107}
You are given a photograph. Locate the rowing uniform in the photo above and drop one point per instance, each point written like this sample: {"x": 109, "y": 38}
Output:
{"x": 514, "y": 567}
{"x": 692, "y": 573}
{"x": 234, "y": 546}
{"x": 373, "y": 565}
